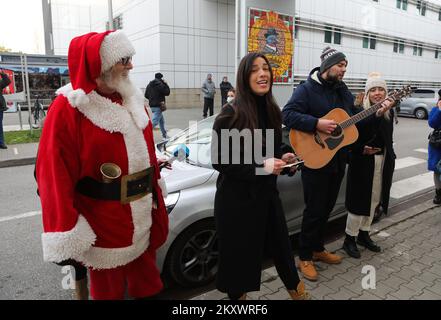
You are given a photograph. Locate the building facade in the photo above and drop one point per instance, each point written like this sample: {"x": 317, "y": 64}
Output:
{"x": 186, "y": 39}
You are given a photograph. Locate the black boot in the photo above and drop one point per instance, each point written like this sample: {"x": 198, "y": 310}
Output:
{"x": 365, "y": 240}
{"x": 350, "y": 247}
{"x": 378, "y": 213}
{"x": 437, "y": 199}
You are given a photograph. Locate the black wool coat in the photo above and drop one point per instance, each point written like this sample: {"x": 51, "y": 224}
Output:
{"x": 361, "y": 167}
{"x": 243, "y": 204}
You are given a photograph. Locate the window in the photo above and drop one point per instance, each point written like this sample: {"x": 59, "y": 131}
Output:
{"x": 369, "y": 41}
{"x": 117, "y": 23}
{"x": 296, "y": 32}
{"x": 422, "y": 93}
{"x": 328, "y": 34}
{"x": 421, "y": 6}
{"x": 439, "y": 15}
{"x": 438, "y": 53}
{"x": 402, "y": 4}
{"x": 337, "y": 36}
{"x": 417, "y": 50}
{"x": 331, "y": 33}
{"x": 399, "y": 46}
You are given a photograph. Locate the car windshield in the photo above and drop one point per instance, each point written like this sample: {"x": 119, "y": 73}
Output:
{"x": 197, "y": 138}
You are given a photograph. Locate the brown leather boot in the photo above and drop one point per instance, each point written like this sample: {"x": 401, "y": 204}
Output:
{"x": 308, "y": 270}
{"x": 326, "y": 257}
{"x": 300, "y": 293}
{"x": 81, "y": 289}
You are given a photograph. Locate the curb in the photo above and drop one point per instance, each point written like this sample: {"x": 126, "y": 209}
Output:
{"x": 17, "y": 162}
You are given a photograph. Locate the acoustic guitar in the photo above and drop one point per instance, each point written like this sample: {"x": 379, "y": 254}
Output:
{"x": 317, "y": 149}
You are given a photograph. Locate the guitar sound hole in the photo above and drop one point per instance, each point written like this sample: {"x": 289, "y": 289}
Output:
{"x": 337, "y": 132}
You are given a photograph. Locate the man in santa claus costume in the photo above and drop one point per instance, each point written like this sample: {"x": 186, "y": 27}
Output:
{"x": 98, "y": 176}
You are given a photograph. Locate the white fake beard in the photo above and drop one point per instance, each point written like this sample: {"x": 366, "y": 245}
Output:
{"x": 121, "y": 84}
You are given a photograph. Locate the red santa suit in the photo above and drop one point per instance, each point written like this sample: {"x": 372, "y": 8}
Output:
{"x": 83, "y": 130}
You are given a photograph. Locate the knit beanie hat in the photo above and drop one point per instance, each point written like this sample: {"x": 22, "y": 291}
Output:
{"x": 330, "y": 57}
{"x": 375, "y": 80}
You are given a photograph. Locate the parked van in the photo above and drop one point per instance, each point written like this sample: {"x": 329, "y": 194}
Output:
{"x": 420, "y": 103}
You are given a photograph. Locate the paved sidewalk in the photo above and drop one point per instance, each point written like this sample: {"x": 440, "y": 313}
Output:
{"x": 18, "y": 155}
{"x": 409, "y": 266}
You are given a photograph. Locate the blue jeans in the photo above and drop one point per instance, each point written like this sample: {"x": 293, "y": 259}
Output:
{"x": 159, "y": 118}
{"x": 2, "y": 139}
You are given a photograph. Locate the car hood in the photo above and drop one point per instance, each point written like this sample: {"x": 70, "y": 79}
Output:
{"x": 184, "y": 176}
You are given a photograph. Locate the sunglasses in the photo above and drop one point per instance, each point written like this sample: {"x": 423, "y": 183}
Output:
{"x": 125, "y": 61}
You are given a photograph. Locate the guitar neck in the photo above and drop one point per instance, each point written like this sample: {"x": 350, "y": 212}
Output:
{"x": 361, "y": 115}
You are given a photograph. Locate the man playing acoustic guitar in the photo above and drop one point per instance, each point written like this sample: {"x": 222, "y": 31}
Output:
{"x": 322, "y": 92}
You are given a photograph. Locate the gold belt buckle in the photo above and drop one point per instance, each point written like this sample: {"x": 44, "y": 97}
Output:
{"x": 133, "y": 177}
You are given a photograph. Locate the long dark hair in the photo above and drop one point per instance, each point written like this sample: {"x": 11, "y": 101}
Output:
{"x": 245, "y": 115}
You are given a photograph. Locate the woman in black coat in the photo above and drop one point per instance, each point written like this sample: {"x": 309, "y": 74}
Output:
{"x": 249, "y": 216}
{"x": 371, "y": 167}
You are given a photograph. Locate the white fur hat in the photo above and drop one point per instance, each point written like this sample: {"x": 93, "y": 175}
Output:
{"x": 115, "y": 46}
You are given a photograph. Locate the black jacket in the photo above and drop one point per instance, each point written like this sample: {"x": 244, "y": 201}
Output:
{"x": 156, "y": 92}
{"x": 4, "y": 82}
{"x": 224, "y": 88}
{"x": 361, "y": 167}
{"x": 313, "y": 100}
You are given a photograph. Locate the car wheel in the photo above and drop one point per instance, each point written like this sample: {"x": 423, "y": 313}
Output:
{"x": 420, "y": 113}
{"x": 193, "y": 257}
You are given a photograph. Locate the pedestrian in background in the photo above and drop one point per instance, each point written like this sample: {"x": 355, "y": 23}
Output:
{"x": 370, "y": 171}
{"x": 250, "y": 220}
{"x": 225, "y": 86}
{"x": 156, "y": 92}
{"x": 231, "y": 95}
{"x": 435, "y": 150}
{"x": 209, "y": 91}
{"x": 4, "y": 82}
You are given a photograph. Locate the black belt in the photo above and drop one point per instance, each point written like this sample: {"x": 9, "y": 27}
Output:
{"x": 130, "y": 188}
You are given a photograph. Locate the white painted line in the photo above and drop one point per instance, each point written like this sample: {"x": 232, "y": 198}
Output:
{"x": 409, "y": 186}
{"x": 20, "y": 216}
{"x": 422, "y": 150}
{"x": 15, "y": 151}
{"x": 407, "y": 162}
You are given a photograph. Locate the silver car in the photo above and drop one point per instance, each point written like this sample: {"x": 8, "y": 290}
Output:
{"x": 420, "y": 103}
{"x": 190, "y": 255}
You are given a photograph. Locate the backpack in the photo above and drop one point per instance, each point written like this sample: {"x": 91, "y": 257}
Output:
{"x": 435, "y": 138}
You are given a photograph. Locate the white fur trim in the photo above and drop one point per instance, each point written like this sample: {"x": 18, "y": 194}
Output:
{"x": 59, "y": 246}
{"x": 163, "y": 187}
{"x": 116, "y": 45}
{"x": 135, "y": 105}
{"x": 64, "y": 90}
{"x": 106, "y": 114}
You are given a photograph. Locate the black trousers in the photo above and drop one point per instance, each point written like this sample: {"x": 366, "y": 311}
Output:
{"x": 208, "y": 104}
{"x": 224, "y": 100}
{"x": 320, "y": 190}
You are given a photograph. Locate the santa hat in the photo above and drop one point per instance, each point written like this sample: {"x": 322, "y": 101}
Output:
{"x": 93, "y": 53}
{"x": 375, "y": 80}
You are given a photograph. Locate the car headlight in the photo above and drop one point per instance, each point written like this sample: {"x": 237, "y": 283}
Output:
{"x": 171, "y": 200}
